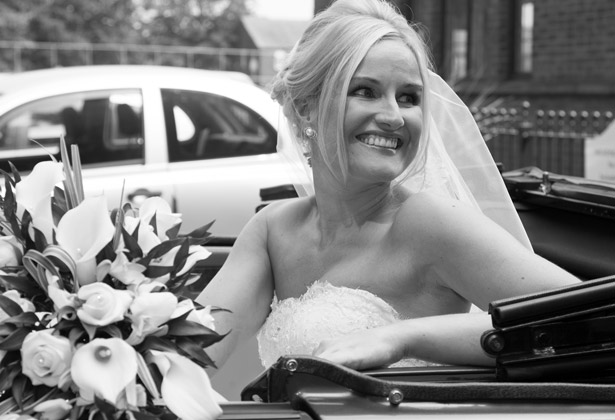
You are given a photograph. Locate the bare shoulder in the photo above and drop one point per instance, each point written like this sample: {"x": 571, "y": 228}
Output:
{"x": 436, "y": 218}
{"x": 466, "y": 251}
{"x": 283, "y": 215}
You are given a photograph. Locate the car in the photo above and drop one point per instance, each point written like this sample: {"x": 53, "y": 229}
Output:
{"x": 205, "y": 141}
{"x": 554, "y": 350}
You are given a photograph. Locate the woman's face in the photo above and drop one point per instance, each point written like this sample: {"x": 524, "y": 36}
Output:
{"x": 383, "y": 120}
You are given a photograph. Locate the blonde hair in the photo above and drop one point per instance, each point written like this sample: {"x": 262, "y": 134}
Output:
{"x": 318, "y": 70}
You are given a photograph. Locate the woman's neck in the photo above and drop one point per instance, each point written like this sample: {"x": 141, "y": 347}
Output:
{"x": 342, "y": 207}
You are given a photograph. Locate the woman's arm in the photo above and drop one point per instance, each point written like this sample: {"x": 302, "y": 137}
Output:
{"x": 469, "y": 254}
{"x": 479, "y": 260}
{"x": 244, "y": 286}
{"x": 447, "y": 339}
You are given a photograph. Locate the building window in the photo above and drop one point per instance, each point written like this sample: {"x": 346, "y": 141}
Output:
{"x": 524, "y": 38}
{"x": 459, "y": 68}
{"x": 458, "y": 37}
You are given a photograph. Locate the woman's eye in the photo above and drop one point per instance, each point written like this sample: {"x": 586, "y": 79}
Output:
{"x": 363, "y": 91}
{"x": 410, "y": 98}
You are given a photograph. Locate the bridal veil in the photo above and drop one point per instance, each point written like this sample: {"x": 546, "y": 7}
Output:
{"x": 458, "y": 163}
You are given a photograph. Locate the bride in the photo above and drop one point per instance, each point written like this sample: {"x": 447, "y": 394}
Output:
{"x": 403, "y": 223}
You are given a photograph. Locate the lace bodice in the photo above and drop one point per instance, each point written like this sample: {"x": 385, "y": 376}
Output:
{"x": 298, "y": 325}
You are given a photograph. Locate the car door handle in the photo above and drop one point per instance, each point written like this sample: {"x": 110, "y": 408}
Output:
{"x": 141, "y": 194}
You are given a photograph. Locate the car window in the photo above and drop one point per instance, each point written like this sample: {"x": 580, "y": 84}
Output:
{"x": 107, "y": 126}
{"x": 207, "y": 126}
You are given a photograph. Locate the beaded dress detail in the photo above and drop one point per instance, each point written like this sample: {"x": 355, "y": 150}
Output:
{"x": 298, "y": 325}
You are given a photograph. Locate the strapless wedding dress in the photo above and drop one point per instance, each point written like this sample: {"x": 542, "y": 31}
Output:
{"x": 298, "y": 325}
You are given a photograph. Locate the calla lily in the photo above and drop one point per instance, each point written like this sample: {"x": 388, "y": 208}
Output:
{"x": 104, "y": 367}
{"x": 165, "y": 220}
{"x": 33, "y": 194}
{"x": 196, "y": 253}
{"x": 83, "y": 232}
{"x": 186, "y": 388}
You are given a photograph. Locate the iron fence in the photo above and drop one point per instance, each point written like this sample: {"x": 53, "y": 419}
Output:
{"x": 553, "y": 140}
{"x": 17, "y": 56}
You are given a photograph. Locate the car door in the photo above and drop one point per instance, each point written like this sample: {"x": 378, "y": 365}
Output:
{"x": 108, "y": 128}
{"x": 221, "y": 153}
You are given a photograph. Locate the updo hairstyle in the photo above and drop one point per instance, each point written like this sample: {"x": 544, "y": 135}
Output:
{"x": 312, "y": 85}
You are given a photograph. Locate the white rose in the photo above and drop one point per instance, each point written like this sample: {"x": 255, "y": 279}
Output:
{"x": 103, "y": 305}
{"x": 10, "y": 251}
{"x": 46, "y": 358}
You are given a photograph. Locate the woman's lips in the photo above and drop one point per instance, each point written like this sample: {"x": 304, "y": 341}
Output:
{"x": 391, "y": 143}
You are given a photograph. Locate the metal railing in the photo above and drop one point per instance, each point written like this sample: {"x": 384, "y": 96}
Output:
{"x": 553, "y": 140}
{"x": 17, "y": 56}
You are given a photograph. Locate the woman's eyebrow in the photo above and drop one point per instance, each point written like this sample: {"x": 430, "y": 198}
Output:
{"x": 364, "y": 79}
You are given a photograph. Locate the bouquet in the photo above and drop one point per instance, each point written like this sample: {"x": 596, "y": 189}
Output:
{"x": 93, "y": 323}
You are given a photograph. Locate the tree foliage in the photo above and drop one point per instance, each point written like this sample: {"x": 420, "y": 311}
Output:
{"x": 191, "y": 22}
{"x": 67, "y": 20}
{"x": 164, "y": 22}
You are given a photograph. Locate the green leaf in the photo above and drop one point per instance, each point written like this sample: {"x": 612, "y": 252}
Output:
{"x": 24, "y": 319}
{"x": 164, "y": 247}
{"x": 157, "y": 271}
{"x": 15, "y": 172}
{"x": 10, "y": 206}
{"x": 158, "y": 343}
{"x": 182, "y": 255}
{"x": 77, "y": 174}
{"x": 37, "y": 265}
{"x": 9, "y": 306}
{"x": 117, "y": 217}
{"x": 207, "y": 340}
{"x": 153, "y": 224}
{"x": 132, "y": 244}
{"x": 15, "y": 340}
{"x": 202, "y": 232}
{"x": 57, "y": 212}
{"x": 6, "y": 329}
{"x": 195, "y": 352}
{"x": 40, "y": 242}
{"x": 183, "y": 327}
{"x": 59, "y": 199}
{"x": 22, "y": 283}
{"x": 18, "y": 389}
{"x": 174, "y": 231}
{"x": 8, "y": 374}
{"x": 69, "y": 182}
{"x": 112, "y": 331}
{"x": 140, "y": 415}
{"x": 105, "y": 407}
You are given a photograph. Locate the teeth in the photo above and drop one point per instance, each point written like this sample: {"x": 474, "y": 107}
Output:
{"x": 373, "y": 140}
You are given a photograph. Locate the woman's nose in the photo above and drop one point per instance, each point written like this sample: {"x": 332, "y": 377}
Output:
{"x": 389, "y": 115}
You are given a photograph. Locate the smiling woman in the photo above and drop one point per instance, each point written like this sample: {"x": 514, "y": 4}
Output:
{"x": 404, "y": 221}
{"x": 383, "y": 112}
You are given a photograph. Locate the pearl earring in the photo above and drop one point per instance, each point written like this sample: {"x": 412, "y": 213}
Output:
{"x": 310, "y": 133}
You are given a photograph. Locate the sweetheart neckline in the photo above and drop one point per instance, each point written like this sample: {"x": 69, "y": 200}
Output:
{"x": 307, "y": 295}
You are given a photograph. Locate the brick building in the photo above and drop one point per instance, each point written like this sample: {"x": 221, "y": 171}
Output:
{"x": 554, "y": 53}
